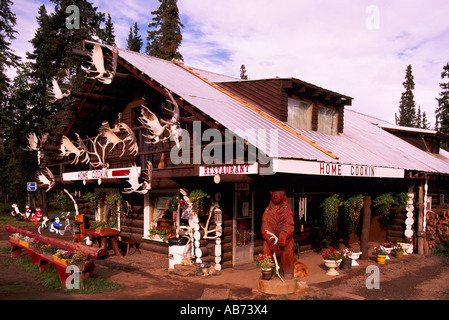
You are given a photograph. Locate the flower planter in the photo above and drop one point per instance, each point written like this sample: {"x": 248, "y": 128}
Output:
{"x": 355, "y": 256}
{"x": 157, "y": 237}
{"x": 267, "y": 274}
{"x": 405, "y": 246}
{"x": 381, "y": 258}
{"x": 346, "y": 264}
{"x": 399, "y": 254}
{"x": 23, "y": 243}
{"x": 61, "y": 261}
{"x": 332, "y": 265}
{"x": 388, "y": 251}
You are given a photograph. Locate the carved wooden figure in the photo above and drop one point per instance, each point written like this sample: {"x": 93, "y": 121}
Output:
{"x": 278, "y": 219}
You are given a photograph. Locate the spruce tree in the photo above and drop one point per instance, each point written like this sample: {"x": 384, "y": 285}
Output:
{"x": 108, "y": 34}
{"x": 442, "y": 111}
{"x": 7, "y": 34}
{"x": 52, "y": 55}
{"x": 134, "y": 40}
{"x": 164, "y": 36}
{"x": 243, "y": 74}
{"x": 407, "y": 109}
{"x": 418, "y": 120}
{"x": 425, "y": 123}
{"x": 7, "y": 60}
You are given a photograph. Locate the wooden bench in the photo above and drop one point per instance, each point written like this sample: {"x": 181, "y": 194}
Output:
{"x": 43, "y": 260}
{"x": 130, "y": 243}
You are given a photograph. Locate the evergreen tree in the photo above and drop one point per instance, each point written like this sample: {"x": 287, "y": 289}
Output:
{"x": 7, "y": 34}
{"x": 243, "y": 74}
{"x": 425, "y": 123}
{"x": 418, "y": 120}
{"x": 164, "y": 36}
{"x": 108, "y": 34}
{"x": 407, "y": 109}
{"x": 134, "y": 40}
{"x": 20, "y": 166}
{"x": 7, "y": 60}
{"x": 52, "y": 55}
{"x": 442, "y": 111}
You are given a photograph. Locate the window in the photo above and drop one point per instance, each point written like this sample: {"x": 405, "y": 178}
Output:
{"x": 299, "y": 114}
{"x": 327, "y": 121}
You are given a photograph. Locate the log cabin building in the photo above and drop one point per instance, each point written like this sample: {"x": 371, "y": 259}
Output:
{"x": 273, "y": 133}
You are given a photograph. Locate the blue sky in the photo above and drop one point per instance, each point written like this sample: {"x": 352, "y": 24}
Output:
{"x": 359, "y": 48}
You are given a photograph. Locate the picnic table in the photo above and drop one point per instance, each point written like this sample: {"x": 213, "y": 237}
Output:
{"x": 106, "y": 236}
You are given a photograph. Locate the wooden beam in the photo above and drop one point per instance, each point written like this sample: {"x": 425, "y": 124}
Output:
{"x": 98, "y": 97}
{"x": 366, "y": 224}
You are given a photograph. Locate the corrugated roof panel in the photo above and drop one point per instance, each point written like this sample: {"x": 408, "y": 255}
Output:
{"x": 363, "y": 141}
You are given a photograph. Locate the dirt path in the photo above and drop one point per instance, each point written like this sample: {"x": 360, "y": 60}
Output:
{"x": 146, "y": 277}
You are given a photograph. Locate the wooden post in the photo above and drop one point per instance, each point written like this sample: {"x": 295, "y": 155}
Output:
{"x": 44, "y": 201}
{"x": 366, "y": 224}
{"x": 420, "y": 233}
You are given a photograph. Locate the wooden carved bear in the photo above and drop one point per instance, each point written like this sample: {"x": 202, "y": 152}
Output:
{"x": 278, "y": 219}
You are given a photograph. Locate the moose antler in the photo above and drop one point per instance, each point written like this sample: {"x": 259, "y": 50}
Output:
{"x": 206, "y": 228}
{"x": 273, "y": 236}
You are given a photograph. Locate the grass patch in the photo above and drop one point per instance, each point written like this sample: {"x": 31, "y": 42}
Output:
{"x": 442, "y": 249}
{"x": 54, "y": 208}
{"x": 49, "y": 278}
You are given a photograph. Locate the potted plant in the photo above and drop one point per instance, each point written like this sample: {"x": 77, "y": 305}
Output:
{"x": 352, "y": 208}
{"x": 79, "y": 259}
{"x": 405, "y": 244}
{"x": 383, "y": 205}
{"x": 62, "y": 256}
{"x": 381, "y": 254}
{"x": 355, "y": 256}
{"x": 398, "y": 251}
{"x": 200, "y": 201}
{"x": 93, "y": 199}
{"x": 265, "y": 263}
{"x": 330, "y": 213}
{"x": 388, "y": 246}
{"x": 161, "y": 234}
{"x": 332, "y": 259}
{"x": 346, "y": 259}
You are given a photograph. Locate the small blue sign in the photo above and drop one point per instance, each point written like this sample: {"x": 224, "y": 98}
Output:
{"x": 31, "y": 186}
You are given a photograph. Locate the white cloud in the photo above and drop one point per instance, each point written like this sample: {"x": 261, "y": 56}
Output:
{"x": 328, "y": 43}
{"x": 325, "y": 42}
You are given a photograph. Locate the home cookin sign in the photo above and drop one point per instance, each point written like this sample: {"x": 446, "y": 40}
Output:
{"x": 98, "y": 174}
{"x": 335, "y": 169}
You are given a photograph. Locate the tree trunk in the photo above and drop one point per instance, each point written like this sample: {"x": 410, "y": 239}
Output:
{"x": 92, "y": 252}
{"x": 364, "y": 239}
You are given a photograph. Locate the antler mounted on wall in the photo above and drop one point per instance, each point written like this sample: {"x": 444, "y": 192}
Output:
{"x": 68, "y": 147}
{"x": 135, "y": 185}
{"x": 47, "y": 178}
{"x": 151, "y": 122}
{"x": 97, "y": 60}
{"x": 36, "y": 144}
{"x": 213, "y": 210}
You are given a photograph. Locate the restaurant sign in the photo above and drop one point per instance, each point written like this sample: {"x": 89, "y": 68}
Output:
{"x": 229, "y": 169}
{"x": 335, "y": 169}
{"x": 98, "y": 174}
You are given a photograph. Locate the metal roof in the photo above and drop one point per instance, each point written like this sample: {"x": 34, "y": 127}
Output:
{"x": 364, "y": 142}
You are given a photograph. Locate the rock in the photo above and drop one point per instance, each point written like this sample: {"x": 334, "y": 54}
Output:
{"x": 186, "y": 271}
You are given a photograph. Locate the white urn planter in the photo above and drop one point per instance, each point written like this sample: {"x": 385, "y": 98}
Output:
{"x": 406, "y": 247}
{"x": 332, "y": 265}
{"x": 355, "y": 256}
{"x": 388, "y": 251}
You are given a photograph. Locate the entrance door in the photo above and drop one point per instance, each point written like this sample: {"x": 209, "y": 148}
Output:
{"x": 243, "y": 227}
